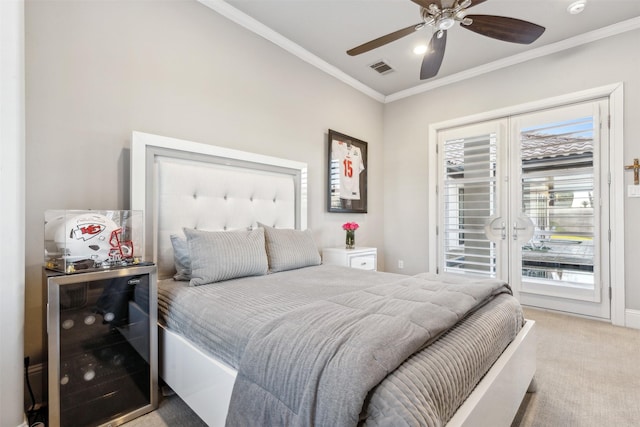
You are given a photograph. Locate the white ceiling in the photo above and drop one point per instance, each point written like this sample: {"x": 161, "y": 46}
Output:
{"x": 321, "y": 31}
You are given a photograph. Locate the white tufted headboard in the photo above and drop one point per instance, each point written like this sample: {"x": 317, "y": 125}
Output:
{"x": 180, "y": 184}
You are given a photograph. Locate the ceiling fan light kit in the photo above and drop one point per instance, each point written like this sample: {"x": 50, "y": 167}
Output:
{"x": 441, "y": 19}
{"x": 445, "y": 21}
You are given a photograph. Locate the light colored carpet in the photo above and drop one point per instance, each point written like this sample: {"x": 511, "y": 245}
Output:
{"x": 588, "y": 375}
{"x": 172, "y": 412}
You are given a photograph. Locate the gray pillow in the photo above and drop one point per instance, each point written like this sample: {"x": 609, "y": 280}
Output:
{"x": 181, "y": 258}
{"x": 224, "y": 255}
{"x": 289, "y": 249}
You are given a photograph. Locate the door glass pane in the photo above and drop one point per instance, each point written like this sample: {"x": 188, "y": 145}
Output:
{"x": 558, "y": 194}
{"x": 469, "y": 190}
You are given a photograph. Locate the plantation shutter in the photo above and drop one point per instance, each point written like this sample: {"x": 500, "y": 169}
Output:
{"x": 469, "y": 189}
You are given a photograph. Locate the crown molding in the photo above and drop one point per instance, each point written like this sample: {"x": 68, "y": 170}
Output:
{"x": 240, "y": 18}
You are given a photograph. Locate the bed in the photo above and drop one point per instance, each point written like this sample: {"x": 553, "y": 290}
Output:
{"x": 214, "y": 360}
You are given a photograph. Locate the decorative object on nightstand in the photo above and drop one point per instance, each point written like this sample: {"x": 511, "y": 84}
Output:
{"x": 359, "y": 257}
{"x": 91, "y": 240}
{"x": 102, "y": 345}
{"x": 350, "y": 228}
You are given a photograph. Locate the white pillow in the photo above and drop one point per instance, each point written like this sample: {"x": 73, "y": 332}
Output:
{"x": 224, "y": 255}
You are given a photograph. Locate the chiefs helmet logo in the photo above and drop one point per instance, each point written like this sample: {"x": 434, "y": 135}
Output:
{"x": 87, "y": 231}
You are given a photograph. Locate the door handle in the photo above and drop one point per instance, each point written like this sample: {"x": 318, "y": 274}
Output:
{"x": 516, "y": 229}
{"x": 502, "y": 228}
{"x": 524, "y": 224}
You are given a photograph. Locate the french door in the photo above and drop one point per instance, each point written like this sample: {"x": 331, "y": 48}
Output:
{"x": 525, "y": 199}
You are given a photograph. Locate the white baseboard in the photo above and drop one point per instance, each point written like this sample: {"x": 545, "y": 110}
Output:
{"x": 632, "y": 318}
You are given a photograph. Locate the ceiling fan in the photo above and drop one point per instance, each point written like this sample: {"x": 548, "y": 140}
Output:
{"x": 442, "y": 18}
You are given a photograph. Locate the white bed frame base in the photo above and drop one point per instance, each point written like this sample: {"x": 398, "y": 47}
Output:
{"x": 202, "y": 382}
{"x": 205, "y": 384}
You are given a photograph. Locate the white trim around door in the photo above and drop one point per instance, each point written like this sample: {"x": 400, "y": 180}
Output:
{"x": 614, "y": 93}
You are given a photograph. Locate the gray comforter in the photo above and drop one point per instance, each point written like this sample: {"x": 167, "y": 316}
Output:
{"x": 290, "y": 376}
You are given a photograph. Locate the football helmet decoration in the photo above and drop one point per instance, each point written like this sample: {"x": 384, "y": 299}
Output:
{"x": 88, "y": 236}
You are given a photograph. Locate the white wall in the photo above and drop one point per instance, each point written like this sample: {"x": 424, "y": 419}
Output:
{"x": 12, "y": 158}
{"x": 406, "y": 125}
{"x": 98, "y": 70}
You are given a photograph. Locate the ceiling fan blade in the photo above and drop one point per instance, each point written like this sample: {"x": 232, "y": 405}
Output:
{"x": 433, "y": 58}
{"x": 381, "y": 41}
{"x": 505, "y": 29}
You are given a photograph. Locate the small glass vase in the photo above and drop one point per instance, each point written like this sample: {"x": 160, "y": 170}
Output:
{"x": 351, "y": 239}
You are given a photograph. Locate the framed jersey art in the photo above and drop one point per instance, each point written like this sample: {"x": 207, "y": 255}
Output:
{"x": 347, "y": 174}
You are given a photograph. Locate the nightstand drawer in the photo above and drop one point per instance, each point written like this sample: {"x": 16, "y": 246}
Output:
{"x": 360, "y": 257}
{"x": 363, "y": 262}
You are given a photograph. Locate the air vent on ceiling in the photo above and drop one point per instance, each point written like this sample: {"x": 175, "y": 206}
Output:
{"x": 381, "y": 67}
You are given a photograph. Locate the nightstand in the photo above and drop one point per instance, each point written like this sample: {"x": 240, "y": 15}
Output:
{"x": 102, "y": 337}
{"x": 360, "y": 257}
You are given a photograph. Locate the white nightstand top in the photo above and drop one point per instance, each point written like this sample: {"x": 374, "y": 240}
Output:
{"x": 356, "y": 250}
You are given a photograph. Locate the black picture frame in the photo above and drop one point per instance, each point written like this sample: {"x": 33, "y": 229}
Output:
{"x": 347, "y": 173}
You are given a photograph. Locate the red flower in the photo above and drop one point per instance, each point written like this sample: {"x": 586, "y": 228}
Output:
{"x": 350, "y": 226}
